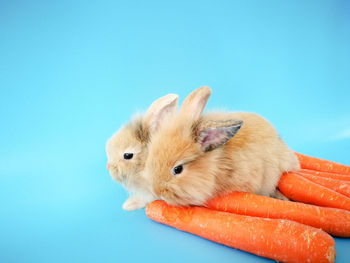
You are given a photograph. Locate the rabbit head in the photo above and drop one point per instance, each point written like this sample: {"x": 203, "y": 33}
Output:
{"x": 127, "y": 148}
{"x": 182, "y": 162}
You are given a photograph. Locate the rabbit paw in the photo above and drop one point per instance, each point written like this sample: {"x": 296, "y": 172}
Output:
{"x": 133, "y": 203}
{"x": 279, "y": 195}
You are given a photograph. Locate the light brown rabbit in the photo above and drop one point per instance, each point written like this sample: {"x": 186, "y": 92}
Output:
{"x": 192, "y": 158}
{"x": 127, "y": 150}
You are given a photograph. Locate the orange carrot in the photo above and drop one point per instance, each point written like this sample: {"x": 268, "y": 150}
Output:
{"x": 298, "y": 188}
{"x": 278, "y": 239}
{"x": 313, "y": 163}
{"x": 342, "y": 187}
{"x": 332, "y": 220}
{"x": 342, "y": 177}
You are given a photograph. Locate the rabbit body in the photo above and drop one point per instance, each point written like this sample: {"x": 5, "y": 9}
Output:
{"x": 254, "y": 160}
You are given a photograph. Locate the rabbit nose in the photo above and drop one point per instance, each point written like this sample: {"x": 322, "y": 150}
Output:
{"x": 157, "y": 190}
{"x": 112, "y": 167}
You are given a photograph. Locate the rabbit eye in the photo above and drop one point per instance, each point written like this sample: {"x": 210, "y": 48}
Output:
{"x": 128, "y": 156}
{"x": 178, "y": 169}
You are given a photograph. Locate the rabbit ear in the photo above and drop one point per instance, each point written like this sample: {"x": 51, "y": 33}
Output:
{"x": 194, "y": 104}
{"x": 213, "y": 134}
{"x": 160, "y": 110}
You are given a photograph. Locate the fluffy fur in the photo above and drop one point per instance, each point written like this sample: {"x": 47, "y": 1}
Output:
{"x": 252, "y": 161}
{"x": 134, "y": 138}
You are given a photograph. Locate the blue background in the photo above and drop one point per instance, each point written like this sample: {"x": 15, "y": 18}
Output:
{"x": 72, "y": 72}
